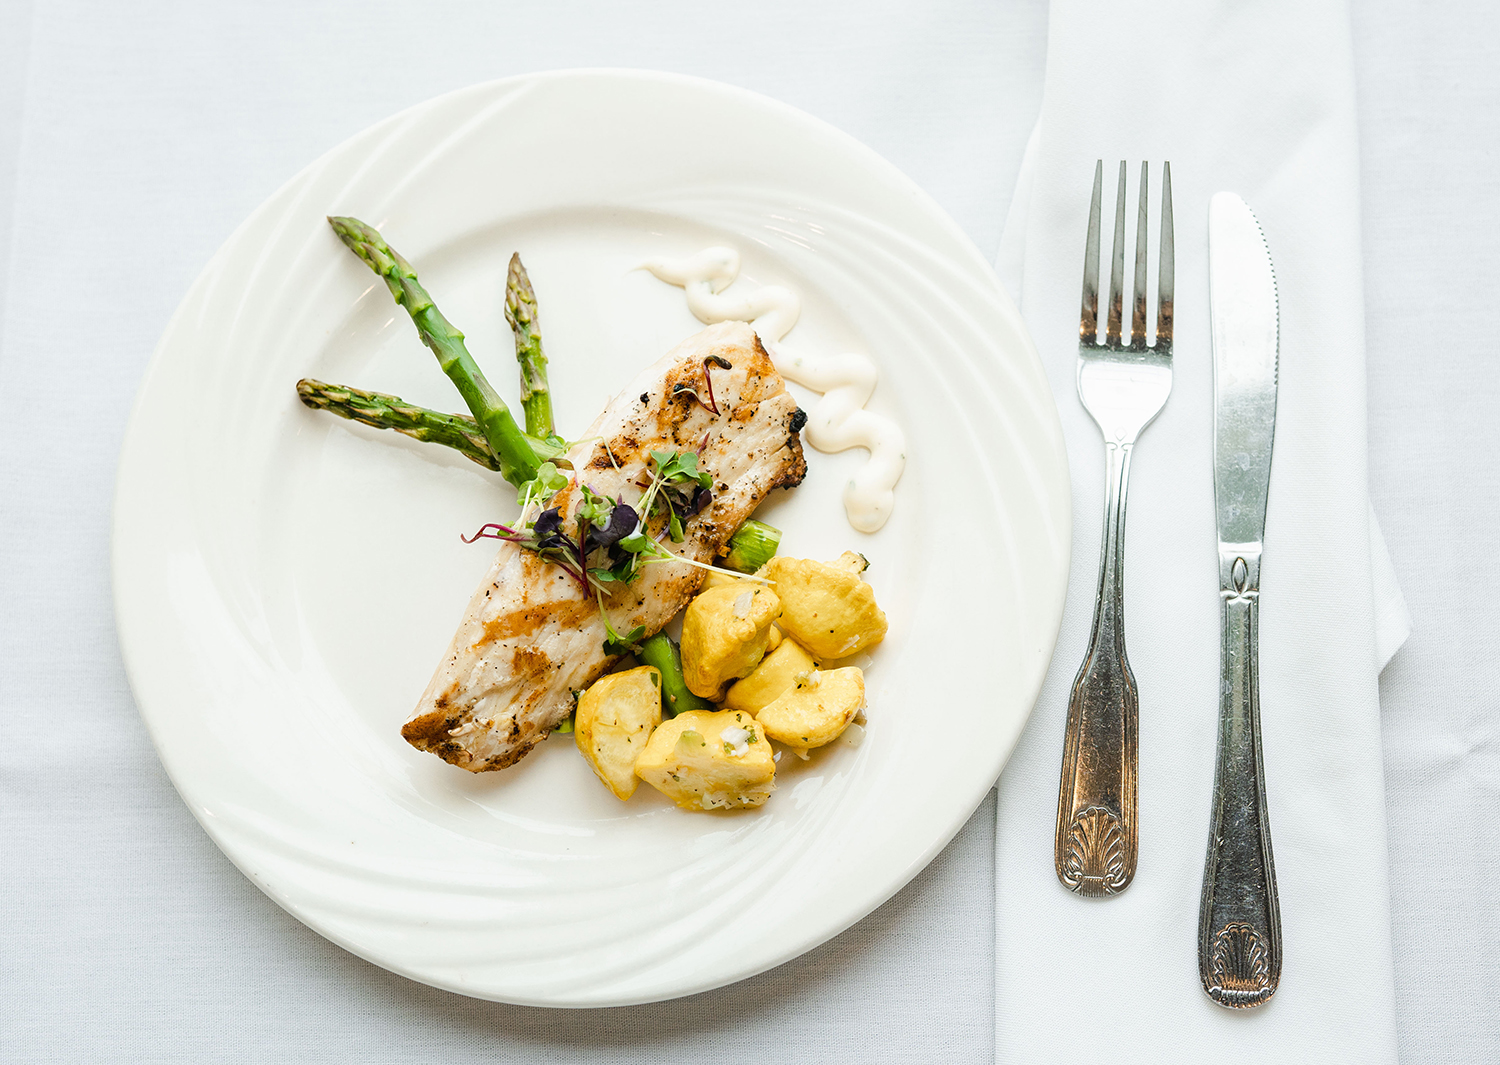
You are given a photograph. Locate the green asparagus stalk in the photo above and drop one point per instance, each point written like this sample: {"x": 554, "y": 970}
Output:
{"x": 382, "y": 411}
{"x": 661, "y": 652}
{"x": 520, "y": 312}
{"x": 518, "y": 462}
{"x": 752, "y": 546}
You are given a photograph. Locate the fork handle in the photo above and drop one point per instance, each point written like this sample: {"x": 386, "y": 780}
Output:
{"x": 1239, "y": 919}
{"x": 1096, "y": 843}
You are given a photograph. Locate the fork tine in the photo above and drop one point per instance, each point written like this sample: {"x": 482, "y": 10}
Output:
{"x": 1117, "y": 267}
{"x": 1088, "y": 321}
{"x": 1138, "y": 296}
{"x": 1164, "y": 266}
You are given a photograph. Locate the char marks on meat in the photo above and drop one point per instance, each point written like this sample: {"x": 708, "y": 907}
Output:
{"x": 532, "y": 635}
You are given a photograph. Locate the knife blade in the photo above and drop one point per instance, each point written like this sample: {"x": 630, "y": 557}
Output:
{"x": 1239, "y": 926}
{"x": 1245, "y": 330}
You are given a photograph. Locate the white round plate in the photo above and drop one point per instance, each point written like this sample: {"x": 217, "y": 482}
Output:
{"x": 285, "y": 581}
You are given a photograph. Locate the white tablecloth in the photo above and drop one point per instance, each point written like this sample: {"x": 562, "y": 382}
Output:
{"x": 133, "y": 138}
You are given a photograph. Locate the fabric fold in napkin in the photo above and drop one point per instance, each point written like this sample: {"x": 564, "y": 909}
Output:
{"x": 1257, "y": 98}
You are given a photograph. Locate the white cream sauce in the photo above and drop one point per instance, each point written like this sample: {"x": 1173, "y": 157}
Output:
{"x": 838, "y": 421}
{"x": 703, "y": 278}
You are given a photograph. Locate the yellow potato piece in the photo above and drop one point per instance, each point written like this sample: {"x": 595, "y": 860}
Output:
{"x": 817, "y": 710}
{"x": 777, "y": 672}
{"x": 614, "y": 720}
{"x": 825, "y": 606}
{"x": 709, "y": 760}
{"x": 724, "y": 635}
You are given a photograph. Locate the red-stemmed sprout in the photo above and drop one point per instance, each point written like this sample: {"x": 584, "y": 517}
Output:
{"x": 712, "y": 405}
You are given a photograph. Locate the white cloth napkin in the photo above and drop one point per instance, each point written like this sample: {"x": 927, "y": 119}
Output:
{"x": 1258, "y": 98}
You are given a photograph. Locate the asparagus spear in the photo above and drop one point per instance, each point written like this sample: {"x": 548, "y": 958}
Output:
{"x": 382, "y": 411}
{"x": 518, "y": 462}
{"x": 520, "y": 312}
{"x": 752, "y": 546}
{"x": 661, "y": 652}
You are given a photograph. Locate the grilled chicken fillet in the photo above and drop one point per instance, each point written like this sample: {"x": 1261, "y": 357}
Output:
{"x": 532, "y": 635}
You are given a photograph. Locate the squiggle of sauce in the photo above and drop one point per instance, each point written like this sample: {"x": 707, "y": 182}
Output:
{"x": 838, "y": 421}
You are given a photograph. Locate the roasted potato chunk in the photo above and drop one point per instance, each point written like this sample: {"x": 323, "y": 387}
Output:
{"x": 721, "y": 578}
{"x": 727, "y": 578}
{"x": 724, "y": 635}
{"x": 816, "y": 710}
{"x": 777, "y": 672}
{"x": 825, "y": 606}
{"x": 709, "y": 760}
{"x": 614, "y": 720}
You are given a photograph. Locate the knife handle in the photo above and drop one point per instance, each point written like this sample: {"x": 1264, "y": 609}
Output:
{"x": 1096, "y": 844}
{"x": 1239, "y": 920}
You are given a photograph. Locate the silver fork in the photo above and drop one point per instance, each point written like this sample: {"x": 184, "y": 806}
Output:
{"x": 1123, "y": 384}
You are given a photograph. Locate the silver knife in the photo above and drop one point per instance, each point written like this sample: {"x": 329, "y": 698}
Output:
{"x": 1239, "y": 922}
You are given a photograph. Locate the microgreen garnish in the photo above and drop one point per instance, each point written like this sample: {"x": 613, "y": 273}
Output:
{"x": 616, "y": 643}
{"x": 613, "y": 538}
{"x": 545, "y": 536}
{"x": 675, "y": 478}
{"x": 547, "y": 482}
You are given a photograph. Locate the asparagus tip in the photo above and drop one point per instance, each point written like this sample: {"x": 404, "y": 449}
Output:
{"x": 307, "y": 392}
